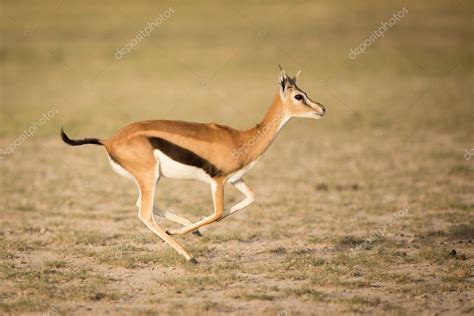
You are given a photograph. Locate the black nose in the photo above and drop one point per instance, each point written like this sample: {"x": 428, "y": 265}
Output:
{"x": 324, "y": 110}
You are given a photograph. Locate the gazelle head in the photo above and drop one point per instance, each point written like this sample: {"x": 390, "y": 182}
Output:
{"x": 296, "y": 101}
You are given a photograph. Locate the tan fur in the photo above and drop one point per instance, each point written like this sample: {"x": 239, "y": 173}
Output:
{"x": 213, "y": 142}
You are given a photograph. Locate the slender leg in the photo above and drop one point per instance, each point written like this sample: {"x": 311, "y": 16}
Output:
{"x": 249, "y": 199}
{"x": 217, "y": 188}
{"x": 175, "y": 218}
{"x": 171, "y": 216}
{"x": 147, "y": 188}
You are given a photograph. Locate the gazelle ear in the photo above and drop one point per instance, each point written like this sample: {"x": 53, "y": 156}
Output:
{"x": 283, "y": 79}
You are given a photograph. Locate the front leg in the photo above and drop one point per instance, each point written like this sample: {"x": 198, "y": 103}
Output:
{"x": 217, "y": 189}
{"x": 249, "y": 198}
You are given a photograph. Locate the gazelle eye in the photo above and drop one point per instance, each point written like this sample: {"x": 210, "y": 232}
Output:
{"x": 298, "y": 97}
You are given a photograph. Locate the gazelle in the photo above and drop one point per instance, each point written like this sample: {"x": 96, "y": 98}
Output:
{"x": 212, "y": 153}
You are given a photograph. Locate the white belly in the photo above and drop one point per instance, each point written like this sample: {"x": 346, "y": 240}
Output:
{"x": 173, "y": 169}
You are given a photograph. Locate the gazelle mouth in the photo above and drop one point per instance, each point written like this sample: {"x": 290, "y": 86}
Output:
{"x": 317, "y": 115}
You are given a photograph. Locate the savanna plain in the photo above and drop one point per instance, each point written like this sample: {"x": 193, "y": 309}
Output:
{"x": 369, "y": 210}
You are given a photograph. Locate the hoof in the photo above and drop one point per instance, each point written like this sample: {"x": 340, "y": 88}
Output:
{"x": 197, "y": 233}
{"x": 193, "y": 261}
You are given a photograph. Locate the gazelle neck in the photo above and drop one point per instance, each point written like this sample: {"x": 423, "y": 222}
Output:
{"x": 261, "y": 136}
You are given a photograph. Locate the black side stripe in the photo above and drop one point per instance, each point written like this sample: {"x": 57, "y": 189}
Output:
{"x": 184, "y": 155}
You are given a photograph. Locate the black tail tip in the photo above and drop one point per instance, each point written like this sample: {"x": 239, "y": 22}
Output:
{"x": 78, "y": 142}
{"x": 64, "y": 137}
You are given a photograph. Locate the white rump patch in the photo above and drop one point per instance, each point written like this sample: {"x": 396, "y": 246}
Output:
{"x": 119, "y": 169}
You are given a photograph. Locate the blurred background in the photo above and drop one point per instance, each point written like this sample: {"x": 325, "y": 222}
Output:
{"x": 398, "y": 134}
{"x": 217, "y": 61}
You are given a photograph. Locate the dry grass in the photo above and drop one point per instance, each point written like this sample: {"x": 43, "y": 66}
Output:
{"x": 399, "y": 121}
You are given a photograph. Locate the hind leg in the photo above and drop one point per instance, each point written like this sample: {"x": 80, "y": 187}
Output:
{"x": 146, "y": 184}
{"x": 136, "y": 159}
{"x": 163, "y": 213}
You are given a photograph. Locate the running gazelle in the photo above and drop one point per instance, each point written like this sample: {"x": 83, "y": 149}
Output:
{"x": 212, "y": 153}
